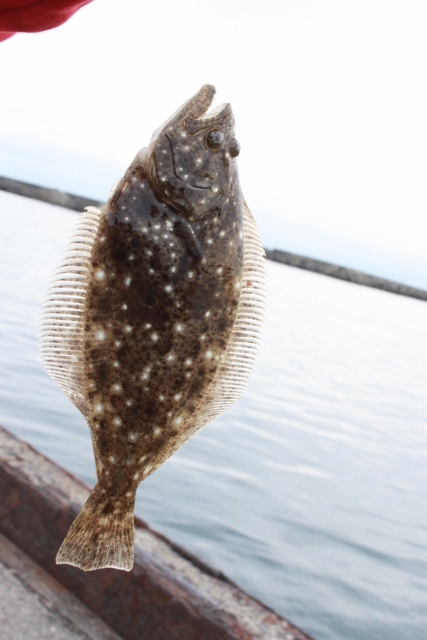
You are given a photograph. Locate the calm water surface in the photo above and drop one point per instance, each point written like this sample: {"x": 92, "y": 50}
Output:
{"x": 311, "y": 492}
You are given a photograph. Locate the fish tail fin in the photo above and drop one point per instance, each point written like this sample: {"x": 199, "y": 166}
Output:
{"x": 100, "y": 536}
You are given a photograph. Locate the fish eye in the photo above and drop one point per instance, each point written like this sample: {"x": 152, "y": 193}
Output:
{"x": 234, "y": 148}
{"x": 215, "y": 139}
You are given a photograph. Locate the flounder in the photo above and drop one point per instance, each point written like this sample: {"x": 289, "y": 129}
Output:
{"x": 152, "y": 321}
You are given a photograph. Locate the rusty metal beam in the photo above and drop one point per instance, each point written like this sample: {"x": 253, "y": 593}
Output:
{"x": 169, "y": 595}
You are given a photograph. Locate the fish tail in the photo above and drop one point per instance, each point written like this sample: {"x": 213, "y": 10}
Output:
{"x": 101, "y": 536}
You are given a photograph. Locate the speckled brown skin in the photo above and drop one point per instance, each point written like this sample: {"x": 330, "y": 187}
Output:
{"x": 164, "y": 317}
{"x": 162, "y": 297}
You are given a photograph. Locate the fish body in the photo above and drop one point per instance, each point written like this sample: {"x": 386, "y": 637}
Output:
{"x": 153, "y": 317}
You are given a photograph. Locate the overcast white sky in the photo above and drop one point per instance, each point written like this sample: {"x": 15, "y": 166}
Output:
{"x": 329, "y": 96}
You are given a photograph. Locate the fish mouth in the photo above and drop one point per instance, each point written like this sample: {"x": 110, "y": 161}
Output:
{"x": 194, "y": 113}
{"x": 171, "y": 168}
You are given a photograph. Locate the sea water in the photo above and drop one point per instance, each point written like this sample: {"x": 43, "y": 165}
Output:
{"x": 311, "y": 492}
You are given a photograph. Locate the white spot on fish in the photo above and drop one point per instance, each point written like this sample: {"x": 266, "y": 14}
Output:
{"x": 207, "y": 314}
{"x": 132, "y": 437}
{"x": 146, "y": 374}
{"x": 128, "y": 328}
{"x": 191, "y": 274}
{"x": 208, "y": 354}
{"x": 168, "y": 288}
{"x": 99, "y": 408}
{"x": 219, "y": 270}
{"x": 179, "y": 327}
{"x": 157, "y": 431}
{"x": 155, "y": 337}
{"x": 222, "y": 233}
{"x": 100, "y": 335}
{"x": 112, "y": 459}
{"x": 128, "y": 280}
{"x": 116, "y": 363}
{"x": 100, "y": 275}
{"x": 177, "y": 396}
{"x": 124, "y": 307}
{"x": 117, "y": 421}
{"x": 170, "y": 357}
{"x": 117, "y": 387}
{"x": 178, "y": 420}
{"x": 147, "y": 325}
{"x": 188, "y": 362}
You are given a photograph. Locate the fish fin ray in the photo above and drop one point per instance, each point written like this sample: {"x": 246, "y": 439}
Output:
{"x": 237, "y": 362}
{"x": 61, "y": 343}
{"x": 99, "y": 540}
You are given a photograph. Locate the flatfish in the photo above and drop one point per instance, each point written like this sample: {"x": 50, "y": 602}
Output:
{"x": 152, "y": 321}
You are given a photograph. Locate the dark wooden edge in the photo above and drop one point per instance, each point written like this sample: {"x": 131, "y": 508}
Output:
{"x": 78, "y": 203}
{"x": 169, "y": 594}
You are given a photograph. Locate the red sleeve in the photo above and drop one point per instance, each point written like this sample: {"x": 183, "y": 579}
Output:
{"x": 35, "y": 15}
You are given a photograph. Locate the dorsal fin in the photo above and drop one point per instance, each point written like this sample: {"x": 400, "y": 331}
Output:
{"x": 62, "y": 322}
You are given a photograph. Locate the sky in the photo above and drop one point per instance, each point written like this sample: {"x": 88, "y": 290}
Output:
{"x": 329, "y": 97}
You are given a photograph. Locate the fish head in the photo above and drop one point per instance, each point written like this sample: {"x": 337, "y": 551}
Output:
{"x": 191, "y": 158}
